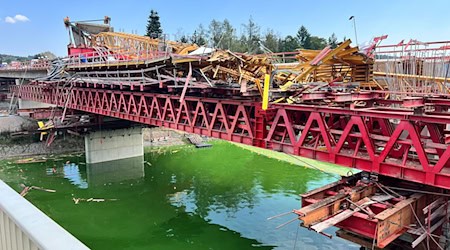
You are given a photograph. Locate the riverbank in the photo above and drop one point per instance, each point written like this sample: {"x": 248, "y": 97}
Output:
{"x": 69, "y": 144}
{"x": 30, "y": 145}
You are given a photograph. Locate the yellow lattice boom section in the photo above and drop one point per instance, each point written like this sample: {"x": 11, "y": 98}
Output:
{"x": 136, "y": 46}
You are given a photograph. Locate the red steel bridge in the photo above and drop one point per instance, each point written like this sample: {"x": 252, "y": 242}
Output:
{"x": 368, "y": 138}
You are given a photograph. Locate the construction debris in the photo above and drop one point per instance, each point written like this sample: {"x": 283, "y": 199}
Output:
{"x": 197, "y": 141}
{"x": 139, "y": 62}
{"x": 78, "y": 200}
{"x": 27, "y": 189}
{"x": 29, "y": 160}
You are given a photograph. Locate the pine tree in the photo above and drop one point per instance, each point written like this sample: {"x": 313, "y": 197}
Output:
{"x": 304, "y": 38}
{"x": 154, "y": 26}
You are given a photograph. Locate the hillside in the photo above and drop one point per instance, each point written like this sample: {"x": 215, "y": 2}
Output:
{"x": 10, "y": 58}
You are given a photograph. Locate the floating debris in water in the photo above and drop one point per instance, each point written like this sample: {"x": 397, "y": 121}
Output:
{"x": 30, "y": 160}
{"x": 27, "y": 189}
{"x": 78, "y": 200}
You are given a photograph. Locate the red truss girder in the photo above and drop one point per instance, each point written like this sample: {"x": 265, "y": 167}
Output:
{"x": 394, "y": 143}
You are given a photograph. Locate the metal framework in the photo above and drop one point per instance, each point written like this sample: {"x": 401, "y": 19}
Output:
{"x": 408, "y": 142}
{"x": 27, "y": 66}
{"x": 413, "y": 67}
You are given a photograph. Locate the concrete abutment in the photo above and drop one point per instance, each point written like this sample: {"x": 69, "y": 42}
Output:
{"x": 111, "y": 145}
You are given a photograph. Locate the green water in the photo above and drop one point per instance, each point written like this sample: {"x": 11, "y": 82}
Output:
{"x": 213, "y": 198}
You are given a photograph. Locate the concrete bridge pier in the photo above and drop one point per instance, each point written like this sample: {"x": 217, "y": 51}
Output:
{"x": 111, "y": 145}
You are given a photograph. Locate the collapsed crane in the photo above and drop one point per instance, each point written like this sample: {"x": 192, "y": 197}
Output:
{"x": 139, "y": 61}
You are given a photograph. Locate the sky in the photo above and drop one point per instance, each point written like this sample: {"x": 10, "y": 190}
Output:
{"x": 28, "y": 27}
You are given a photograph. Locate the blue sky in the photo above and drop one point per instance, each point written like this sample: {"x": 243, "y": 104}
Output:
{"x": 44, "y": 30}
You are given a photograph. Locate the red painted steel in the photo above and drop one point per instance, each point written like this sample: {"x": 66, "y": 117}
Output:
{"x": 403, "y": 143}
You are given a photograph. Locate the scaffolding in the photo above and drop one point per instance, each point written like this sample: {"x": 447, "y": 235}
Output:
{"x": 413, "y": 68}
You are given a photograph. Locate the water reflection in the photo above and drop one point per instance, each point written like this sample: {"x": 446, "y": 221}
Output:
{"x": 99, "y": 174}
{"x": 71, "y": 172}
{"x": 115, "y": 171}
{"x": 239, "y": 190}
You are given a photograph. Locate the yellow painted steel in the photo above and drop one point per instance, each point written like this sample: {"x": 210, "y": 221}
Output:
{"x": 279, "y": 100}
{"x": 130, "y": 44}
{"x": 265, "y": 103}
{"x": 42, "y": 127}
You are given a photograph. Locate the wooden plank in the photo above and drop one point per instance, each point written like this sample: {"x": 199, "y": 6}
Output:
{"x": 436, "y": 213}
{"x": 324, "y": 202}
{"x": 433, "y": 204}
{"x": 319, "y": 227}
{"x": 331, "y": 205}
{"x": 396, "y": 208}
{"x": 320, "y": 210}
{"x": 360, "y": 205}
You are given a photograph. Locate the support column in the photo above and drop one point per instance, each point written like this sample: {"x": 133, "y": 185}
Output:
{"x": 110, "y": 145}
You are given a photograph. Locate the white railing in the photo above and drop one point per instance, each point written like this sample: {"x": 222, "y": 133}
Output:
{"x": 23, "y": 226}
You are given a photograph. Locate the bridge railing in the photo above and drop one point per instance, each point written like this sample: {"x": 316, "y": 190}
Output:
{"x": 23, "y": 226}
{"x": 99, "y": 58}
{"x": 27, "y": 65}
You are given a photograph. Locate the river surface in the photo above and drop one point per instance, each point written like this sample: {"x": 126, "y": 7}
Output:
{"x": 183, "y": 198}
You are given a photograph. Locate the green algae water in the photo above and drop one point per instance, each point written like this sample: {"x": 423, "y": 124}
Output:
{"x": 183, "y": 198}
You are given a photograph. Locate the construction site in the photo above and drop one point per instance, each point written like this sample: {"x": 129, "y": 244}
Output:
{"x": 381, "y": 111}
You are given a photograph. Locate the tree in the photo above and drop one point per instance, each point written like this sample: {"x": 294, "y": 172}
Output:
{"x": 153, "y": 25}
{"x": 183, "y": 39}
{"x": 317, "y": 43}
{"x": 271, "y": 41}
{"x": 304, "y": 38}
{"x": 215, "y": 32}
{"x": 199, "y": 37}
{"x": 222, "y": 35}
{"x": 289, "y": 44}
{"x": 252, "y": 36}
{"x": 332, "y": 41}
{"x": 228, "y": 36}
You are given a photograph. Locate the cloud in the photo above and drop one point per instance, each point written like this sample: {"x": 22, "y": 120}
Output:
{"x": 9, "y": 19}
{"x": 21, "y": 18}
{"x": 16, "y": 18}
